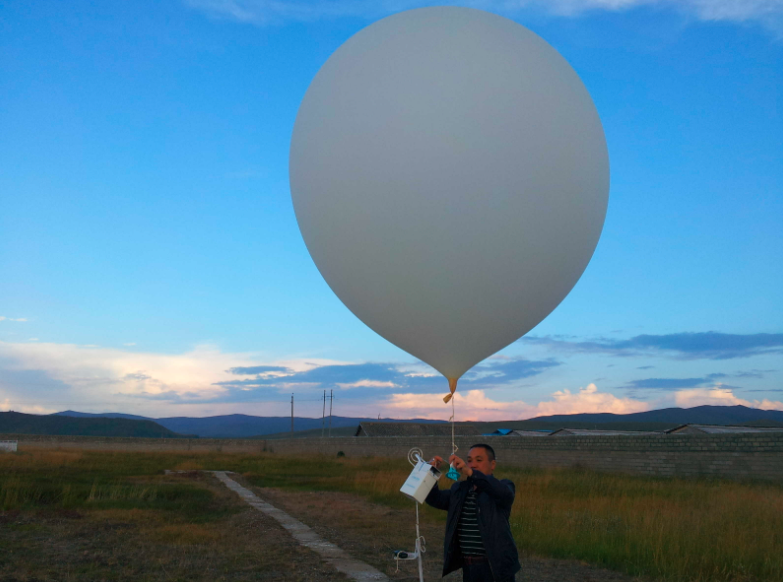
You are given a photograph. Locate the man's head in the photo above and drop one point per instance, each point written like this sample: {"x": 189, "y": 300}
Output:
{"x": 481, "y": 458}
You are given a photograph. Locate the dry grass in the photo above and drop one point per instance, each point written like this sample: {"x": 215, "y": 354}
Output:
{"x": 98, "y": 516}
{"x": 670, "y": 529}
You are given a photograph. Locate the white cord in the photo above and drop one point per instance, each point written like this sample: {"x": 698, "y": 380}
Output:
{"x": 420, "y": 546}
{"x": 454, "y": 447}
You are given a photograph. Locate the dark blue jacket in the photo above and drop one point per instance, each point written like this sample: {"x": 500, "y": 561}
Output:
{"x": 494, "y": 498}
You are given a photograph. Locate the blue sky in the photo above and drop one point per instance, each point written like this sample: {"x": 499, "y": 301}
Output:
{"x": 150, "y": 257}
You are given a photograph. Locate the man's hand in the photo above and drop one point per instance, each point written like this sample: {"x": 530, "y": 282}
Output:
{"x": 436, "y": 462}
{"x": 460, "y": 466}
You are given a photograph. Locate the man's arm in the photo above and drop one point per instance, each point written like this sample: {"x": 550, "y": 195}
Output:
{"x": 438, "y": 499}
{"x": 502, "y": 491}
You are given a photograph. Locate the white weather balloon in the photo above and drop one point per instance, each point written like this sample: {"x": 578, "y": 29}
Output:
{"x": 450, "y": 177}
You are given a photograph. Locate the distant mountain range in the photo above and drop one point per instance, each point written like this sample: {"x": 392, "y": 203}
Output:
{"x": 18, "y": 423}
{"x": 698, "y": 415}
{"x": 244, "y": 426}
{"x": 653, "y": 420}
{"x": 237, "y": 425}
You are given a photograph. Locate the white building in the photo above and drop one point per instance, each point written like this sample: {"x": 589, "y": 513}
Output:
{"x": 8, "y": 446}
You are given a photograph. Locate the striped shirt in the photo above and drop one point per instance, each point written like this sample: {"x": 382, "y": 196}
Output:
{"x": 469, "y": 535}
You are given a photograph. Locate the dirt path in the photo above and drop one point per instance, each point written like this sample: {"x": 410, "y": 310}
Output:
{"x": 371, "y": 532}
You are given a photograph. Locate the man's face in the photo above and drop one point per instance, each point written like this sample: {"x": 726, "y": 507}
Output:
{"x": 478, "y": 460}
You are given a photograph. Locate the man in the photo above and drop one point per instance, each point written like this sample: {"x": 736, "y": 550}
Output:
{"x": 478, "y": 535}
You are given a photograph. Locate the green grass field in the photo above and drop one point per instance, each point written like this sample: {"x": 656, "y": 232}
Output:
{"x": 666, "y": 529}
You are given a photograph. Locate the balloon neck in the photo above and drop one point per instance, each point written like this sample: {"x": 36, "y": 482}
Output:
{"x": 452, "y": 389}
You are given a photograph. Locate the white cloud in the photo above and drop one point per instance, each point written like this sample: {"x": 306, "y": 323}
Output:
{"x": 368, "y": 384}
{"x": 4, "y": 318}
{"x": 469, "y": 405}
{"x": 105, "y": 375}
{"x": 76, "y": 366}
{"x": 476, "y": 405}
{"x": 305, "y": 364}
{"x": 770, "y": 405}
{"x": 739, "y": 10}
{"x": 278, "y": 11}
{"x": 712, "y": 396}
{"x": 720, "y": 396}
{"x": 589, "y": 399}
{"x": 96, "y": 379}
{"x": 263, "y": 12}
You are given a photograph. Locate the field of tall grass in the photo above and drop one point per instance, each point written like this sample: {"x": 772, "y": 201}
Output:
{"x": 670, "y": 529}
{"x": 77, "y": 480}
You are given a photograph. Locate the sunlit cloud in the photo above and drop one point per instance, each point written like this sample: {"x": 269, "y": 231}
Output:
{"x": 469, "y": 405}
{"x": 128, "y": 372}
{"x": 589, "y": 399}
{"x": 770, "y": 405}
{"x": 7, "y": 406}
{"x": 53, "y": 376}
{"x": 476, "y": 405}
{"x": 720, "y": 396}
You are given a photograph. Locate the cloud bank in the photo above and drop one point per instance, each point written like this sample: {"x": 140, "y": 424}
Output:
{"x": 384, "y": 378}
{"x": 710, "y": 345}
{"x": 476, "y": 405}
{"x": 47, "y": 377}
{"x": 678, "y": 383}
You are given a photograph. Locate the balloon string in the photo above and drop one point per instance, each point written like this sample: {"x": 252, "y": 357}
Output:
{"x": 454, "y": 447}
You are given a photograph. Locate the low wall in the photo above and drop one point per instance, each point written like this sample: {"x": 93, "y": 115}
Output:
{"x": 732, "y": 456}
{"x": 27, "y": 441}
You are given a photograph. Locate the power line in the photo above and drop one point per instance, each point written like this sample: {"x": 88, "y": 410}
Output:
{"x": 323, "y": 415}
{"x": 331, "y": 400}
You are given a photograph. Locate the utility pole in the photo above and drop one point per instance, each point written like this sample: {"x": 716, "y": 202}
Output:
{"x": 292, "y": 413}
{"x": 331, "y": 399}
{"x": 323, "y": 416}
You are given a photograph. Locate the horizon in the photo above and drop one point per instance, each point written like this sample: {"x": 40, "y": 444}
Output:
{"x": 711, "y": 406}
{"x": 154, "y": 264}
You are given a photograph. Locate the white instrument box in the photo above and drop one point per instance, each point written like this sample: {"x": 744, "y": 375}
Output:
{"x": 420, "y": 481}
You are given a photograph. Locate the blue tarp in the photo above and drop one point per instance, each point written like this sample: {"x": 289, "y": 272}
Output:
{"x": 499, "y": 432}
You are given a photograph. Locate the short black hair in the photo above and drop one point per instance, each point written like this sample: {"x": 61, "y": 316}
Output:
{"x": 490, "y": 450}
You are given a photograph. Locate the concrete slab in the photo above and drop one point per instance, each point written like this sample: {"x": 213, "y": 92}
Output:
{"x": 342, "y": 561}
